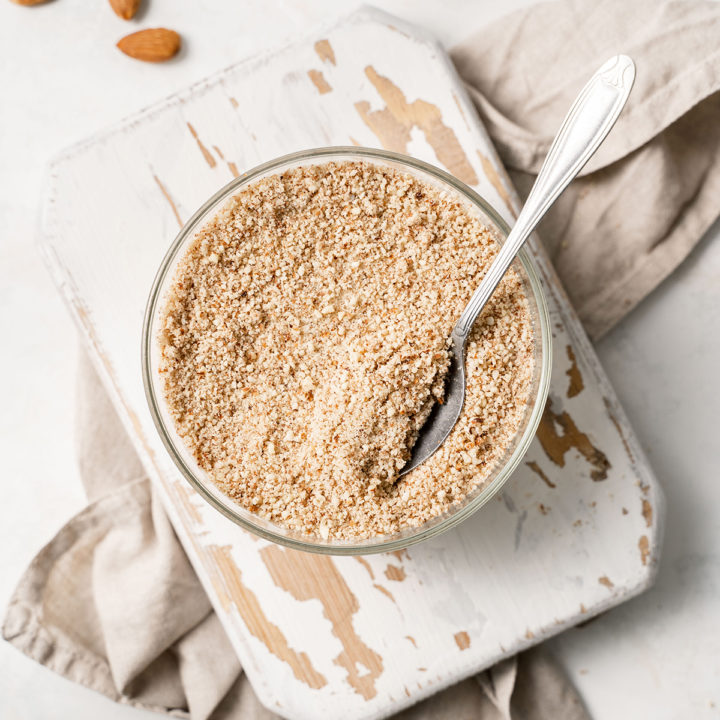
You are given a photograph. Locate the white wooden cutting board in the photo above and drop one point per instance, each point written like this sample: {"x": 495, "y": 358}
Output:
{"x": 575, "y": 532}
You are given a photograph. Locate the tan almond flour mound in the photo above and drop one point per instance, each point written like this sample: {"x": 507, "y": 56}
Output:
{"x": 304, "y": 341}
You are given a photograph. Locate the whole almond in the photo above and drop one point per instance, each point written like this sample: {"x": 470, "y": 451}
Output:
{"x": 125, "y": 9}
{"x": 152, "y": 45}
{"x": 28, "y": 2}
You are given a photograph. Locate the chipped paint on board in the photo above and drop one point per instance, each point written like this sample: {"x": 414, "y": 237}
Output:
{"x": 619, "y": 429}
{"x": 400, "y": 554}
{"x": 393, "y": 123}
{"x": 384, "y": 591}
{"x": 647, "y": 512}
{"x": 231, "y": 590}
{"x": 209, "y": 159}
{"x": 557, "y": 444}
{"x": 366, "y": 565}
{"x": 497, "y": 182}
{"x": 319, "y": 81}
{"x": 395, "y": 573}
{"x": 540, "y": 473}
{"x": 168, "y": 197}
{"x": 325, "y": 52}
{"x": 185, "y": 497}
{"x": 462, "y": 640}
{"x": 232, "y": 167}
{"x": 576, "y": 384}
{"x": 460, "y": 110}
{"x": 316, "y": 577}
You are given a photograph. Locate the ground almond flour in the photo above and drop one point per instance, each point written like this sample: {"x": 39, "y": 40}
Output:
{"x": 304, "y": 341}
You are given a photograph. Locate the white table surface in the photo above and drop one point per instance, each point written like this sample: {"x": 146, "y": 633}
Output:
{"x": 657, "y": 656}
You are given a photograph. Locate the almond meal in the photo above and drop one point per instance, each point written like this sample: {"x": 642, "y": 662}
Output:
{"x": 304, "y": 341}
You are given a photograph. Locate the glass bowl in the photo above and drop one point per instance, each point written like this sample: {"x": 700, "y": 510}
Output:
{"x": 524, "y": 265}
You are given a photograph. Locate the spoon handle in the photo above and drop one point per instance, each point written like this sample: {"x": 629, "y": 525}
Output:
{"x": 586, "y": 125}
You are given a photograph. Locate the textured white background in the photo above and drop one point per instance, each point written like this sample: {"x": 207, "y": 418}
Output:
{"x": 62, "y": 79}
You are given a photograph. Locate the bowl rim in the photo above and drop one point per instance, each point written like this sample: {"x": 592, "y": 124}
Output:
{"x": 407, "y": 536}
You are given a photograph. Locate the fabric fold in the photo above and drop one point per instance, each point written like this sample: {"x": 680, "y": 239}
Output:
{"x": 540, "y": 57}
{"x": 648, "y": 195}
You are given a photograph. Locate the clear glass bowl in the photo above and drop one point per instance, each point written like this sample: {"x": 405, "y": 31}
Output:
{"x": 524, "y": 265}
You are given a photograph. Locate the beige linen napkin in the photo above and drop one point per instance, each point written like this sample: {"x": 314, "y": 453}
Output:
{"x": 653, "y": 188}
{"x": 112, "y": 602}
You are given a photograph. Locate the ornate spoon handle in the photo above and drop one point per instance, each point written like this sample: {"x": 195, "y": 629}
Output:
{"x": 586, "y": 125}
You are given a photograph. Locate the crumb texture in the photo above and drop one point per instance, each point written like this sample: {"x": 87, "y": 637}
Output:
{"x": 304, "y": 341}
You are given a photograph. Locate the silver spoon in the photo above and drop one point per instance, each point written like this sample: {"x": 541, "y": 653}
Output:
{"x": 586, "y": 125}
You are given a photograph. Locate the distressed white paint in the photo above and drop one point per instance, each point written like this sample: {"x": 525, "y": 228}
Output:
{"x": 510, "y": 575}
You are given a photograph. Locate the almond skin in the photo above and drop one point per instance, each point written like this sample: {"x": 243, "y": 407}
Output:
{"x": 27, "y": 3}
{"x": 125, "y": 9}
{"x": 152, "y": 45}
